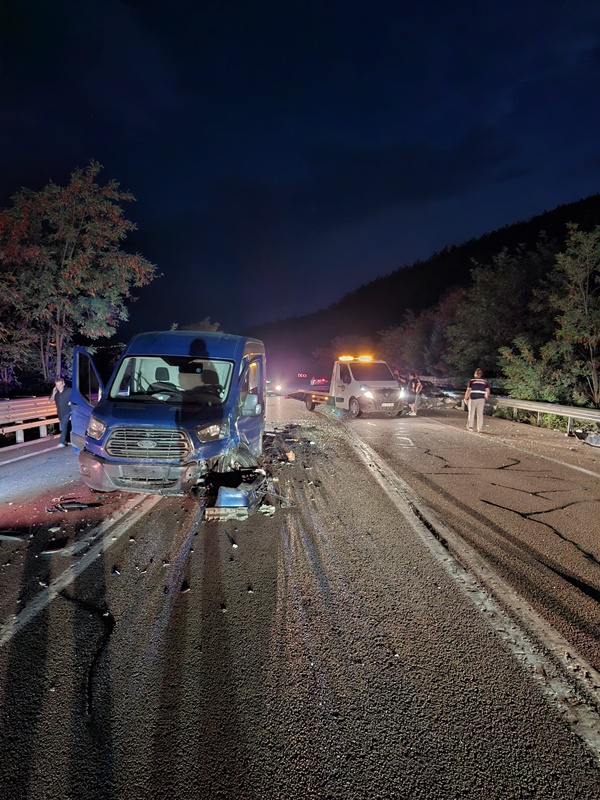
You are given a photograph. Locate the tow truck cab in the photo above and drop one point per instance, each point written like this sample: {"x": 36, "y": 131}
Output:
{"x": 178, "y": 405}
{"x": 359, "y": 386}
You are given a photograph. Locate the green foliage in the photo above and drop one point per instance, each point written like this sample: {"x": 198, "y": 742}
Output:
{"x": 69, "y": 273}
{"x": 497, "y": 308}
{"x": 204, "y": 325}
{"x": 532, "y": 374}
{"x": 575, "y": 296}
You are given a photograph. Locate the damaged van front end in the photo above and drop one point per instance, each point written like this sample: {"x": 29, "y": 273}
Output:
{"x": 178, "y": 406}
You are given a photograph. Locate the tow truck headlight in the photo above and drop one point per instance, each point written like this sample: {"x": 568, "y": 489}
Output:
{"x": 213, "y": 432}
{"x": 96, "y": 428}
{"x": 367, "y": 392}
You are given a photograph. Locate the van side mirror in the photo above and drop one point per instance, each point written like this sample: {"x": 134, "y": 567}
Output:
{"x": 251, "y": 406}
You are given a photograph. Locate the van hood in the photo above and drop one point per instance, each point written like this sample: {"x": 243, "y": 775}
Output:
{"x": 158, "y": 414}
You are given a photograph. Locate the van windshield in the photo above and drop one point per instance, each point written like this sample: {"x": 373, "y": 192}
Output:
{"x": 179, "y": 380}
{"x": 371, "y": 371}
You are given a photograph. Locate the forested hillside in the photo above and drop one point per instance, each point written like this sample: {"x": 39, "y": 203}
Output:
{"x": 385, "y": 302}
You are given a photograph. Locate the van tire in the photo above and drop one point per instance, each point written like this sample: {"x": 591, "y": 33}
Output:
{"x": 310, "y": 406}
{"x": 354, "y": 408}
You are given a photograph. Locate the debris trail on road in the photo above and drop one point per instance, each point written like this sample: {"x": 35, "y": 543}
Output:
{"x": 138, "y": 508}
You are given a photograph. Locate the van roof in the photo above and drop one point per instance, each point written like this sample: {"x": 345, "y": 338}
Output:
{"x": 199, "y": 344}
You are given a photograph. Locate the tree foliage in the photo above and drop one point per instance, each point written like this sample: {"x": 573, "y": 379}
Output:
{"x": 576, "y": 299}
{"x": 62, "y": 264}
{"x": 534, "y": 373}
{"x": 205, "y": 324}
{"x": 497, "y": 308}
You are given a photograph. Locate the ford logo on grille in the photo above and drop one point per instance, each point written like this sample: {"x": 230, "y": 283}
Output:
{"x": 147, "y": 444}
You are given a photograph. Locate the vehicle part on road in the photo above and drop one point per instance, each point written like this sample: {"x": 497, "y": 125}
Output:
{"x": 69, "y": 505}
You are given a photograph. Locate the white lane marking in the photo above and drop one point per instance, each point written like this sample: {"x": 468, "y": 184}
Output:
{"x": 47, "y": 595}
{"x": 404, "y": 441}
{"x": 575, "y": 689}
{"x": 39, "y": 452}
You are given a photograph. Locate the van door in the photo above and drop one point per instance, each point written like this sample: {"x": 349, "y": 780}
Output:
{"x": 251, "y": 419}
{"x": 85, "y": 395}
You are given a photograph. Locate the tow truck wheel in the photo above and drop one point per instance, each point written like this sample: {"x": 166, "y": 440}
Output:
{"x": 310, "y": 406}
{"x": 354, "y": 408}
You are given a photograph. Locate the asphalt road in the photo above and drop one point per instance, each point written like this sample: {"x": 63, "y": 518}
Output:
{"x": 388, "y": 632}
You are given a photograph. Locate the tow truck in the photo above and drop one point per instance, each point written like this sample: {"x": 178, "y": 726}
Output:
{"x": 358, "y": 385}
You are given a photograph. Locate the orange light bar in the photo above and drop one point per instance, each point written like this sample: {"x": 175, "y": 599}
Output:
{"x": 346, "y": 358}
{"x": 365, "y": 358}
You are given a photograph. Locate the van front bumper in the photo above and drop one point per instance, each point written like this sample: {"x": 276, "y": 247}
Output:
{"x": 109, "y": 476}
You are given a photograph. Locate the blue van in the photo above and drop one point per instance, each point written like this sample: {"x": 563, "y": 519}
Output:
{"x": 178, "y": 405}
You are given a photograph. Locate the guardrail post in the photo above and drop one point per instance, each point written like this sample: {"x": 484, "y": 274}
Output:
{"x": 569, "y": 426}
{"x": 20, "y": 434}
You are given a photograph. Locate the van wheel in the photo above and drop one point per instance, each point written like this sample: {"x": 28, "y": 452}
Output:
{"x": 354, "y": 408}
{"x": 240, "y": 458}
{"x": 310, "y": 406}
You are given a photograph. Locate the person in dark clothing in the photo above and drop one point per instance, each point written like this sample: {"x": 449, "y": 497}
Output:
{"x": 477, "y": 393}
{"x": 415, "y": 387}
{"x": 61, "y": 394}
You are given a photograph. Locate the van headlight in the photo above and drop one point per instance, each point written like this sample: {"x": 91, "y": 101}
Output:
{"x": 213, "y": 432}
{"x": 96, "y": 428}
{"x": 366, "y": 392}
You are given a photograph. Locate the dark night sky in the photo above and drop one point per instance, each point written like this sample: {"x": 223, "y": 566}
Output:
{"x": 284, "y": 153}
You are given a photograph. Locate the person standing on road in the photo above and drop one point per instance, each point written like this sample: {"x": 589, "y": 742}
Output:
{"x": 61, "y": 394}
{"x": 477, "y": 393}
{"x": 415, "y": 387}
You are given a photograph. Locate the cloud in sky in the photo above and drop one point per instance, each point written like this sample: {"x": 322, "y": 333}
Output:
{"x": 302, "y": 148}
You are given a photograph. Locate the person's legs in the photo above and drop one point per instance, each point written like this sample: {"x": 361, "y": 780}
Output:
{"x": 471, "y": 420}
{"x": 64, "y": 429}
{"x": 479, "y": 406}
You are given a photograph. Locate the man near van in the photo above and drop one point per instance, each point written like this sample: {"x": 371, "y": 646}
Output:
{"x": 61, "y": 394}
{"x": 477, "y": 393}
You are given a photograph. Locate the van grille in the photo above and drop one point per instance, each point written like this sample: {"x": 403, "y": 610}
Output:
{"x": 148, "y": 443}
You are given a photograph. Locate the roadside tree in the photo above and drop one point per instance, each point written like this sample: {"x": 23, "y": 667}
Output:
{"x": 575, "y": 295}
{"x": 70, "y": 276}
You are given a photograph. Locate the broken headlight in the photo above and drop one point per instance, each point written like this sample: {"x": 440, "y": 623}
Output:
{"x": 213, "y": 432}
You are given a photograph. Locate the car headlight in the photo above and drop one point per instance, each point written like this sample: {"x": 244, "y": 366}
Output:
{"x": 213, "y": 432}
{"x": 96, "y": 428}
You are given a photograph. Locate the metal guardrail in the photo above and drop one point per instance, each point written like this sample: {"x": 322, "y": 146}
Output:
{"x": 570, "y": 412}
{"x": 17, "y": 416}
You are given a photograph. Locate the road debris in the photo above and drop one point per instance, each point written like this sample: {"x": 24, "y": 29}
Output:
{"x": 54, "y": 545}
{"x": 62, "y": 504}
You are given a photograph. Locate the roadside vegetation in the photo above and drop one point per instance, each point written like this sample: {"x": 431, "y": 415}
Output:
{"x": 63, "y": 273}
{"x": 531, "y": 317}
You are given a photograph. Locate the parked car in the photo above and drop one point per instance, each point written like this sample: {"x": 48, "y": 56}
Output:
{"x": 431, "y": 390}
